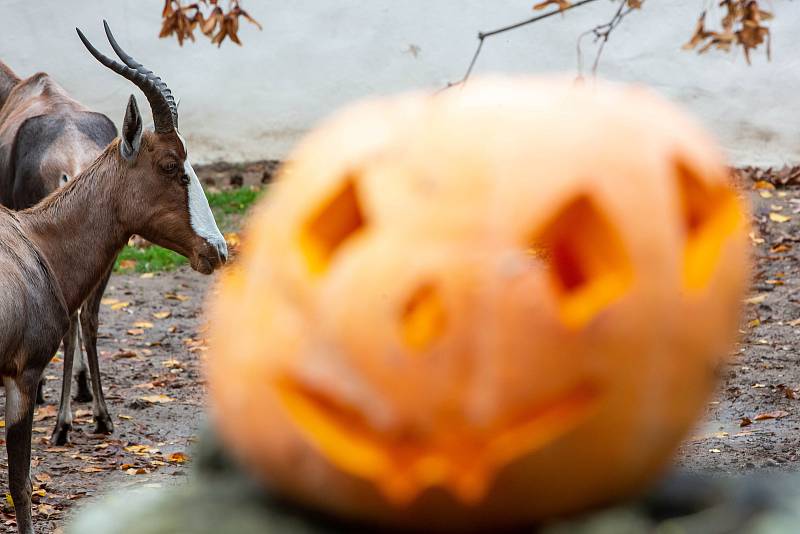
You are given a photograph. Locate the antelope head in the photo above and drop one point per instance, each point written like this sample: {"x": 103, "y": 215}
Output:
{"x": 163, "y": 200}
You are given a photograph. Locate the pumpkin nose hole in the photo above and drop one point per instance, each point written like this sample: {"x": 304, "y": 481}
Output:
{"x": 333, "y": 224}
{"x": 585, "y": 258}
{"x": 710, "y": 214}
{"x": 423, "y": 318}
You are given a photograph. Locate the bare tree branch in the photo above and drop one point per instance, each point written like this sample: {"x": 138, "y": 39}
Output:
{"x": 742, "y": 26}
{"x": 484, "y": 35}
{"x": 602, "y": 33}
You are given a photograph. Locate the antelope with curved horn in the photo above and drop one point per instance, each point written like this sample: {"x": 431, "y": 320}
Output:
{"x": 53, "y": 254}
{"x": 46, "y": 138}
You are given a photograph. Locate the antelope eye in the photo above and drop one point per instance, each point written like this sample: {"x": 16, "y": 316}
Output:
{"x": 169, "y": 167}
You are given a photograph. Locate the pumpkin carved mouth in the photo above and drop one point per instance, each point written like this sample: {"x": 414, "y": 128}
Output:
{"x": 461, "y": 458}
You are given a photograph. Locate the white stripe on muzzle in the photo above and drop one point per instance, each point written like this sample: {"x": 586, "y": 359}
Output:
{"x": 200, "y": 216}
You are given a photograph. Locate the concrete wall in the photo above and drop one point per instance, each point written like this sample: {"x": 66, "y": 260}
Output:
{"x": 316, "y": 55}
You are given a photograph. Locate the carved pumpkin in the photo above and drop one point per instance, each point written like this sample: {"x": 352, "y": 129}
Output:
{"x": 484, "y": 307}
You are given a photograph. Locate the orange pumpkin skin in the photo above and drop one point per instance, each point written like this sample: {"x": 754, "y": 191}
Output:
{"x": 486, "y": 307}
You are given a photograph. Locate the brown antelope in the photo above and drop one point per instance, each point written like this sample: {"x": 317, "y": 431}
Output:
{"x": 46, "y": 137}
{"x": 53, "y": 254}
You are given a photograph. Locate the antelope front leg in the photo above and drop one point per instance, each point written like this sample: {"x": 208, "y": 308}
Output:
{"x": 20, "y": 401}
{"x": 89, "y": 323}
{"x": 64, "y": 422}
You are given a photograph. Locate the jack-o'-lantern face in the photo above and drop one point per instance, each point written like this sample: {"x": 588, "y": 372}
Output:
{"x": 523, "y": 286}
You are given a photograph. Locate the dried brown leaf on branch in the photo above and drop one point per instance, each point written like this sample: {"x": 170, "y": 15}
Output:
{"x": 561, "y": 4}
{"x": 742, "y": 25}
{"x": 207, "y": 16}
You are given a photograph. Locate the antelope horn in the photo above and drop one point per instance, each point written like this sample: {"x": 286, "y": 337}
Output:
{"x": 162, "y": 103}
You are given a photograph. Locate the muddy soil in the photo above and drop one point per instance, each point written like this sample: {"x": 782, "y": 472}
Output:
{"x": 155, "y": 390}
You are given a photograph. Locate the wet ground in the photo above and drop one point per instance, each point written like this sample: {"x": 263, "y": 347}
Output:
{"x": 753, "y": 423}
{"x": 152, "y": 346}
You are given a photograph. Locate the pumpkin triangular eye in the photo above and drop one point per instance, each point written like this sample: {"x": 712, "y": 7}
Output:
{"x": 709, "y": 215}
{"x": 587, "y": 263}
{"x": 334, "y": 223}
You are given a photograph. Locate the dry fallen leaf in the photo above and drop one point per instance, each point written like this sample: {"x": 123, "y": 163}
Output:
{"x": 162, "y": 314}
{"x": 136, "y": 331}
{"x": 120, "y": 305}
{"x": 774, "y": 217}
{"x": 147, "y": 275}
{"x": 139, "y": 449}
{"x": 136, "y": 471}
{"x": 746, "y": 421}
{"x": 178, "y": 458}
{"x": 756, "y": 299}
{"x": 771, "y": 415}
{"x": 127, "y": 265}
{"x": 755, "y": 239}
{"x": 45, "y": 412}
{"x": 176, "y": 296}
{"x": 92, "y": 469}
{"x": 45, "y": 509}
{"x": 143, "y": 324}
{"x": 157, "y": 399}
{"x": 232, "y": 239}
{"x": 763, "y": 185}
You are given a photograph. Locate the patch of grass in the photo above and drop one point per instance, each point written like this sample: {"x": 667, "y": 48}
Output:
{"x": 148, "y": 259}
{"x": 233, "y": 201}
{"x": 229, "y": 207}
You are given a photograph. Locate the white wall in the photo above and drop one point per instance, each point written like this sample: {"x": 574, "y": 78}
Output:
{"x": 315, "y": 55}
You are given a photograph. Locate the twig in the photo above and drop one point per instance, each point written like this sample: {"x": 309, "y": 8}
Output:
{"x": 602, "y": 33}
{"x": 483, "y": 35}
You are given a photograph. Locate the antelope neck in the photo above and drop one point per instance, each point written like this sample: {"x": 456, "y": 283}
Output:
{"x": 78, "y": 230}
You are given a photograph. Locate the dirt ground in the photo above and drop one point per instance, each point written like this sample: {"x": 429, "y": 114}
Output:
{"x": 753, "y": 423}
{"x": 150, "y": 362}
{"x": 154, "y": 389}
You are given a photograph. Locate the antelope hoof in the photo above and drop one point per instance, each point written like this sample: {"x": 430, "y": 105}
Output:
{"x": 103, "y": 424}
{"x": 60, "y": 434}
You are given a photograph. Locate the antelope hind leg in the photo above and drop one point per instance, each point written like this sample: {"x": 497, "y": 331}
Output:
{"x": 64, "y": 421}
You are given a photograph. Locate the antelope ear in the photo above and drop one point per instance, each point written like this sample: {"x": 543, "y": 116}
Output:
{"x": 131, "y": 131}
